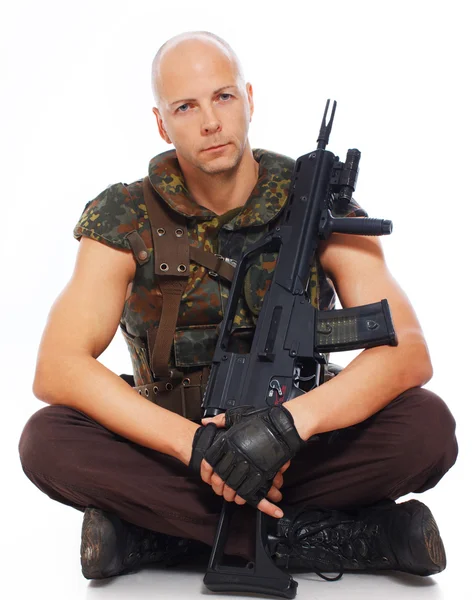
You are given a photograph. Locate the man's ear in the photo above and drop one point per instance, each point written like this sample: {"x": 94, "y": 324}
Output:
{"x": 250, "y": 99}
{"x": 161, "y": 127}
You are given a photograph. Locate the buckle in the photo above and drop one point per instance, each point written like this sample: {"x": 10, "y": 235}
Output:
{"x": 230, "y": 261}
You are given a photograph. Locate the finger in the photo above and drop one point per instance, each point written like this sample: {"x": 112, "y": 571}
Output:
{"x": 206, "y": 471}
{"x": 278, "y": 481}
{"x": 274, "y": 494}
{"x": 217, "y": 484}
{"x": 239, "y": 500}
{"x": 268, "y": 508}
{"x": 284, "y": 468}
{"x": 229, "y": 494}
{"x": 218, "y": 420}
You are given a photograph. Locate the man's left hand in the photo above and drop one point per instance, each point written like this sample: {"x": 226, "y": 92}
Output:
{"x": 252, "y": 453}
{"x": 208, "y": 475}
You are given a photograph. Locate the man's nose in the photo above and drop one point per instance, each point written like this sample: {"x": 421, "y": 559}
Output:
{"x": 211, "y": 127}
{"x": 211, "y": 123}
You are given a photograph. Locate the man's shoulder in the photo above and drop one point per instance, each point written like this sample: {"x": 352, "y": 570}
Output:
{"x": 116, "y": 211}
{"x": 275, "y": 162}
{"x": 120, "y": 196}
{"x": 123, "y": 191}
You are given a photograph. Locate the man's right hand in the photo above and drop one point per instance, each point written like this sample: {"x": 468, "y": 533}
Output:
{"x": 209, "y": 476}
{"x": 201, "y": 442}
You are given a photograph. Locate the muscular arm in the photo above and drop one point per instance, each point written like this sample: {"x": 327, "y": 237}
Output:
{"x": 80, "y": 326}
{"x": 376, "y": 376}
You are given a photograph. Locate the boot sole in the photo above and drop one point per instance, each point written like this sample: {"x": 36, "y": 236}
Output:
{"x": 433, "y": 542}
{"x": 98, "y": 542}
{"x": 425, "y": 553}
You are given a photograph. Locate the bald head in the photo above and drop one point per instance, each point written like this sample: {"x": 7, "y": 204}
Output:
{"x": 203, "y": 104}
{"x": 197, "y": 52}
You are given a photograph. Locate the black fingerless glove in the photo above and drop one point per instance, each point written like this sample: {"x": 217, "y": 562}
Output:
{"x": 204, "y": 437}
{"x": 207, "y": 434}
{"x": 249, "y": 454}
{"x": 235, "y": 415}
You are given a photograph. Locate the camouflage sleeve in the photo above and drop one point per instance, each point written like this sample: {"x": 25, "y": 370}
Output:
{"x": 353, "y": 210}
{"x": 109, "y": 217}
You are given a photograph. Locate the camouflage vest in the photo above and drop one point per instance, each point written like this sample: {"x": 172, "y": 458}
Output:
{"x": 119, "y": 217}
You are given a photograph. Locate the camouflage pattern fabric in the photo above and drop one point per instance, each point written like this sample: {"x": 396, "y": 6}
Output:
{"x": 119, "y": 210}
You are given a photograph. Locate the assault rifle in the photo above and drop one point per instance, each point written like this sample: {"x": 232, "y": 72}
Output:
{"x": 286, "y": 358}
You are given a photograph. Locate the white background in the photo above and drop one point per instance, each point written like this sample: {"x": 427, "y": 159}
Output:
{"x": 76, "y": 110}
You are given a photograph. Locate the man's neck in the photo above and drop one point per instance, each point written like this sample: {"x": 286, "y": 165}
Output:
{"x": 224, "y": 191}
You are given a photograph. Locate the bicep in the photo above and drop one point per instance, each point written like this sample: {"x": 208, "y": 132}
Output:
{"x": 360, "y": 274}
{"x": 85, "y": 316}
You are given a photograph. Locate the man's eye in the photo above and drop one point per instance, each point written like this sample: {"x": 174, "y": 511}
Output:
{"x": 187, "y": 104}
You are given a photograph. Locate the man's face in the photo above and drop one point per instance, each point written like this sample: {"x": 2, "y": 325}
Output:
{"x": 202, "y": 105}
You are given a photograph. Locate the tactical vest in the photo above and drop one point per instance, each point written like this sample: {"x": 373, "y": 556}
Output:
{"x": 177, "y": 389}
{"x": 171, "y": 328}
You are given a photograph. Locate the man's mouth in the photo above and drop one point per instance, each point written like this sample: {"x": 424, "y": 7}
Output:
{"x": 214, "y": 148}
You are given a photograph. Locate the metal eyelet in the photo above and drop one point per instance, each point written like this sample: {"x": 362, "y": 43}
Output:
{"x": 168, "y": 386}
{"x": 140, "y": 392}
{"x": 181, "y": 268}
{"x": 147, "y": 393}
{"x": 186, "y": 381}
{"x": 161, "y": 231}
{"x": 212, "y": 274}
{"x": 179, "y": 232}
{"x": 164, "y": 267}
{"x": 155, "y": 390}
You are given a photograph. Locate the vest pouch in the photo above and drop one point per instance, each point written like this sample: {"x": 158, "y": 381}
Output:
{"x": 195, "y": 345}
{"x": 139, "y": 357}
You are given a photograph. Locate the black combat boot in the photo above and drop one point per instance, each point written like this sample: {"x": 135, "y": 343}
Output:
{"x": 401, "y": 537}
{"x": 111, "y": 546}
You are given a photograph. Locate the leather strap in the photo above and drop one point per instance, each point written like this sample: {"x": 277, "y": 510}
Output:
{"x": 138, "y": 247}
{"x": 172, "y": 266}
{"x": 216, "y": 264}
{"x": 182, "y": 398}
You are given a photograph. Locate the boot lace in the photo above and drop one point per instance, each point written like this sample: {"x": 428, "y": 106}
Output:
{"x": 347, "y": 539}
{"x": 148, "y": 546}
{"x": 152, "y": 546}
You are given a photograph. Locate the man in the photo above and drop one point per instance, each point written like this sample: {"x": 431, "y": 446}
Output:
{"x": 138, "y": 469}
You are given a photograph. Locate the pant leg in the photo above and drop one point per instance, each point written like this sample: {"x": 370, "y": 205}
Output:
{"x": 406, "y": 447}
{"x": 78, "y": 462}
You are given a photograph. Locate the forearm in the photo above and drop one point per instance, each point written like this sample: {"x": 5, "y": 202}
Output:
{"x": 372, "y": 380}
{"x": 85, "y": 384}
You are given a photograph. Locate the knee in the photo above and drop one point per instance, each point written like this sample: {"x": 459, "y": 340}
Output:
{"x": 37, "y": 445}
{"x": 430, "y": 429}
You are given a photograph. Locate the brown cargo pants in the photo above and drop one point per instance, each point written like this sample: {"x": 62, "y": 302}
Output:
{"x": 406, "y": 447}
